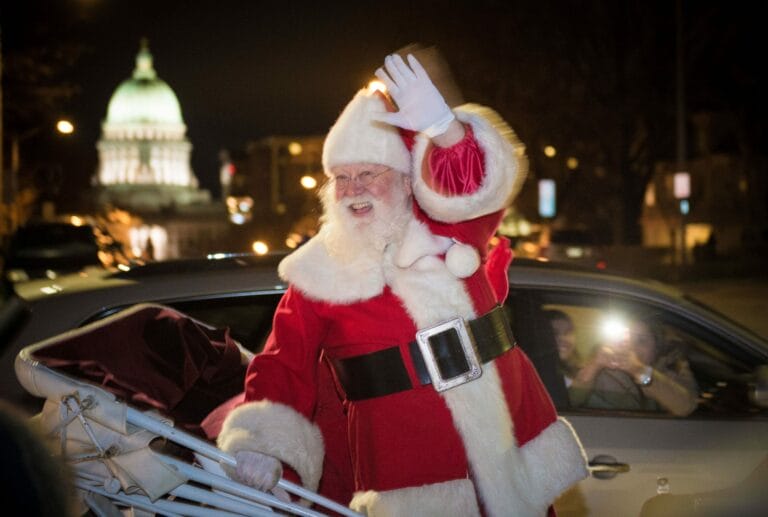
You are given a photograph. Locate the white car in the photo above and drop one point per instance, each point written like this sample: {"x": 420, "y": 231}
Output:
{"x": 635, "y": 454}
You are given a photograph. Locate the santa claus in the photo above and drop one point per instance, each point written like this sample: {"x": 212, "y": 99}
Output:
{"x": 400, "y": 295}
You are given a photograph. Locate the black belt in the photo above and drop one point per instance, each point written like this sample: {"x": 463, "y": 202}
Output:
{"x": 383, "y": 372}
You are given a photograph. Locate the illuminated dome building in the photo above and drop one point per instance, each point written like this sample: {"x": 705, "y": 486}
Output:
{"x": 143, "y": 152}
{"x": 144, "y": 168}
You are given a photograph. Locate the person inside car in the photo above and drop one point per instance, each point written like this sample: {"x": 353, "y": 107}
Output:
{"x": 415, "y": 193}
{"x": 569, "y": 358}
{"x": 638, "y": 372}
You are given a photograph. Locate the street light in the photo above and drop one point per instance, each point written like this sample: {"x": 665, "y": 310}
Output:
{"x": 681, "y": 182}
{"x": 308, "y": 182}
{"x": 63, "y": 126}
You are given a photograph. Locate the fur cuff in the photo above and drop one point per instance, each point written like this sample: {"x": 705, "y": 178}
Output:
{"x": 449, "y": 499}
{"x": 280, "y": 431}
{"x": 505, "y": 169}
{"x": 554, "y": 461}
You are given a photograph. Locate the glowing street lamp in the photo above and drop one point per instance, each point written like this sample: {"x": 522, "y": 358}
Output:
{"x": 65, "y": 127}
{"x": 308, "y": 182}
{"x": 550, "y": 151}
{"x": 260, "y": 247}
{"x": 294, "y": 148}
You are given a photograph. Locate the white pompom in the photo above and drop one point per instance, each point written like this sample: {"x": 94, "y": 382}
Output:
{"x": 462, "y": 260}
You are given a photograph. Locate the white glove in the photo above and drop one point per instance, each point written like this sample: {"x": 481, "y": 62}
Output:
{"x": 258, "y": 470}
{"x": 421, "y": 106}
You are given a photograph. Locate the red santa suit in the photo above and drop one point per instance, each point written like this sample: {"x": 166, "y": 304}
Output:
{"x": 494, "y": 444}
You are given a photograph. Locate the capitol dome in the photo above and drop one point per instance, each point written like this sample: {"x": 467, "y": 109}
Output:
{"x": 143, "y": 138}
{"x": 144, "y": 97}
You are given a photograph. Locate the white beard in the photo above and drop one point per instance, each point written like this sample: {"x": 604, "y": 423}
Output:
{"x": 348, "y": 237}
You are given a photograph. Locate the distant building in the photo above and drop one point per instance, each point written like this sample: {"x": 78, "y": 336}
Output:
{"x": 144, "y": 167}
{"x": 281, "y": 175}
{"x": 725, "y": 211}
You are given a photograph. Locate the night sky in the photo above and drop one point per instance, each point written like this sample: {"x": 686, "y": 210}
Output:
{"x": 246, "y": 69}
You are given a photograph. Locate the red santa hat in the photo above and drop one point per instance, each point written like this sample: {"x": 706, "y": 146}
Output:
{"x": 357, "y": 138}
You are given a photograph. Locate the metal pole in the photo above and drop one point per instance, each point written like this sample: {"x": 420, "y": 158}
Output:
{"x": 680, "y": 113}
{"x": 2, "y": 156}
{"x": 180, "y": 437}
{"x": 13, "y": 211}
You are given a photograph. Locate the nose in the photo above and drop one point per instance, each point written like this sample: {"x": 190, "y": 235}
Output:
{"x": 355, "y": 187}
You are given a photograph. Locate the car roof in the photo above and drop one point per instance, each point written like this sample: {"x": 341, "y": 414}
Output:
{"x": 223, "y": 274}
{"x": 212, "y": 262}
{"x": 523, "y": 272}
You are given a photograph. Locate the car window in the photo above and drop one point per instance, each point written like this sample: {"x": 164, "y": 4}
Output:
{"x": 588, "y": 350}
{"x": 249, "y": 318}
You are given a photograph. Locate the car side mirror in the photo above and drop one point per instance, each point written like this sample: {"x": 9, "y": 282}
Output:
{"x": 759, "y": 391}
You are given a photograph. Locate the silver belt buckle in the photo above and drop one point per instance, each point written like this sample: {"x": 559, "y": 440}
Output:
{"x": 467, "y": 346}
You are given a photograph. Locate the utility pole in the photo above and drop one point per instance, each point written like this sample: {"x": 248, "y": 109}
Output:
{"x": 681, "y": 155}
{"x": 2, "y": 156}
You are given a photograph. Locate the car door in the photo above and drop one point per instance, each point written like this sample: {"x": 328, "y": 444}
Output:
{"x": 638, "y": 450}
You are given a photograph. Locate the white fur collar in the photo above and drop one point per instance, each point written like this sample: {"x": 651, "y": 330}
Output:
{"x": 321, "y": 275}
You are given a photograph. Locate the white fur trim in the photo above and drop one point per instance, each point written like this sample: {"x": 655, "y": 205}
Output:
{"x": 357, "y": 138}
{"x": 418, "y": 242}
{"x": 430, "y": 292}
{"x": 505, "y": 169}
{"x": 449, "y": 499}
{"x": 280, "y": 431}
{"x": 321, "y": 276}
{"x": 479, "y": 409}
{"x": 462, "y": 260}
{"x": 554, "y": 460}
{"x": 481, "y": 416}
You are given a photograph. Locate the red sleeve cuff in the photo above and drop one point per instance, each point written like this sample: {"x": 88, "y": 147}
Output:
{"x": 456, "y": 170}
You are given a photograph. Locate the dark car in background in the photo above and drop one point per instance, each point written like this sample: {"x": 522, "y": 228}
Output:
{"x": 572, "y": 245}
{"x": 51, "y": 248}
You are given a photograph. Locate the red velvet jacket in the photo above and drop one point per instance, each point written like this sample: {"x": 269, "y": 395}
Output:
{"x": 495, "y": 441}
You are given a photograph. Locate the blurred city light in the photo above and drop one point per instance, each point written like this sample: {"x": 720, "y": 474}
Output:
{"x": 547, "y": 198}
{"x": 294, "y": 148}
{"x": 572, "y": 163}
{"x": 65, "y": 127}
{"x": 293, "y": 240}
{"x": 682, "y": 185}
{"x": 240, "y": 209}
{"x": 376, "y": 86}
{"x": 550, "y": 151}
{"x": 260, "y": 247}
{"x": 685, "y": 206}
{"x": 650, "y": 195}
{"x": 308, "y": 182}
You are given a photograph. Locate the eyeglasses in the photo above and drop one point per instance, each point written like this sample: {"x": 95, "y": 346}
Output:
{"x": 363, "y": 179}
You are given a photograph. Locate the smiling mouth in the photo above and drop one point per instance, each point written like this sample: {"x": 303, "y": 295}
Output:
{"x": 361, "y": 208}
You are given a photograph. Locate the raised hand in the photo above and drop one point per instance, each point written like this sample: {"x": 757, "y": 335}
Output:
{"x": 421, "y": 107}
